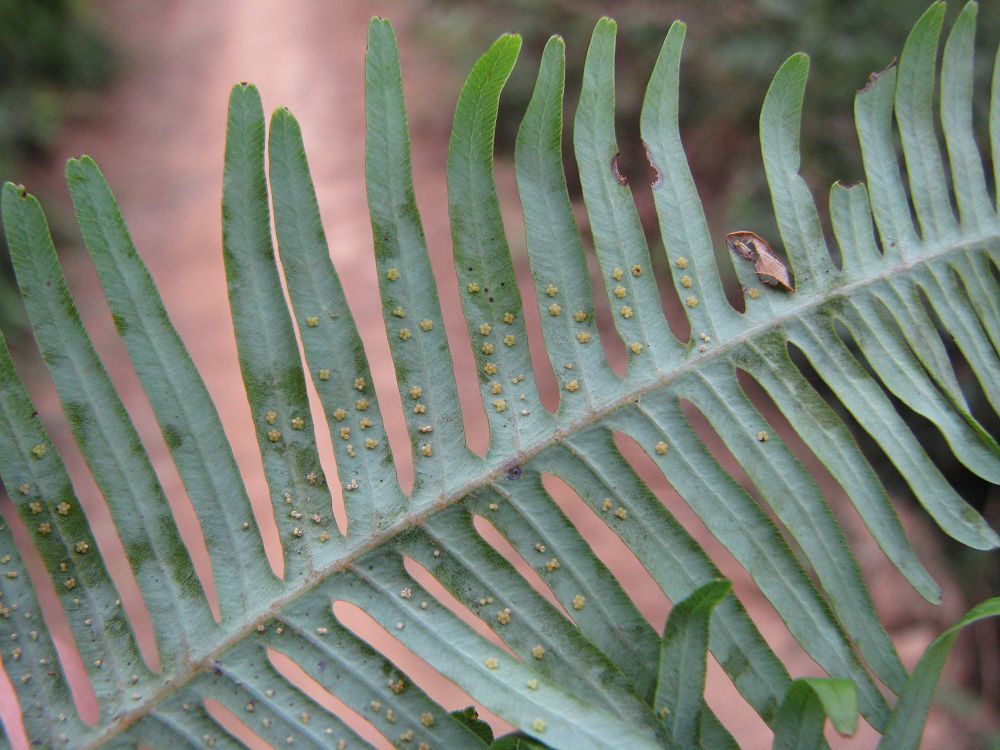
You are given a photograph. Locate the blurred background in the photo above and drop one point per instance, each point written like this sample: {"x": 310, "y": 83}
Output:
{"x": 142, "y": 87}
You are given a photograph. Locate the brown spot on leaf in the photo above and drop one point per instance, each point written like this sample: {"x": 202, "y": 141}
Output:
{"x": 873, "y": 78}
{"x": 753, "y": 248}
{"x": 657, "y": 176}
{"x": 619, "y": 177}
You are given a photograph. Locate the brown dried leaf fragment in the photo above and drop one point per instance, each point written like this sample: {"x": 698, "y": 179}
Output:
{"x": 755, "y": 249}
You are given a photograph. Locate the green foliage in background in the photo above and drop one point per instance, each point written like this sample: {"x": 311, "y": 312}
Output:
{"x": 50, "y": 53}
{"x": 587, "y": 671}
{"x": 50, "y": 49}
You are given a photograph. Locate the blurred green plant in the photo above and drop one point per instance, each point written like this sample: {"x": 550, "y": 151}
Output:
{"x": 51, "y": 51}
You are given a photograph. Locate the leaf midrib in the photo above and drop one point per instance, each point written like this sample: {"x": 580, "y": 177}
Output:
{"x": 499, "y": 467}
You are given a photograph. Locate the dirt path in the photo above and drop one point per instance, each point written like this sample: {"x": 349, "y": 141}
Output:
{"x": 158, "y": 135}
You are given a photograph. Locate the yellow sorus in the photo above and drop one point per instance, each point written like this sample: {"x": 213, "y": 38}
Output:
{"x": 617, "y": 274}
{"x": 426, "y": 325}
{"x": 583, "y": 337}
{"x": 508, "y": 318}
{"x": 490, "y": 369}
{"x": 427, "y": 719}
{"x": 681, "y": 263}
{"x": 360, "y": 384}
{"x": 485, "y": 329}
{"x": 271, "y": 417}
{"x": 626, "y": 312}
{"x": 509, "y": 340}
{"x": 492, "y": 663}
{"x": 552, "y": 290}
{"x": 473, "y": 287}
{"x": 636, "y": 270}
{"x": 312, "y": 321}
{"x": 324, "y": 374}
{"x": 345, "y": 433}
{"x": 573, "y": 386}
{"x": 298, "y": 423}
{"x": 392, "y": 274}
{"x": 495, "y": 388}
{"x": 365, "y": 423}
{"x": 63, "y": 509}
{"x": 35, "y": 507}
{"x": 552, "y": 564}
{"x": 554, "y": 310}
{"x": 538, "y": 652}
{"x": 636, "y": 347}
{"x": 274, "y": 436}
{"x": 686, "y": 282}
{"x": 371, "y": 444}
{"x": 532, "y": 684}
{"x": 579, "y": 316}
{"x": 339, "y": 414}
{"x": 487, "y": 349}
{"x": 619, "y": 291}
{"x": 398, "y": 312}
{"x": 753, "y": 292}
{"x": 503, "y": 616}
{"x": 426, "y": 450}
{"x": 606, "y": 505}
{"x": 416, "y": 392}
{"x": 691, "y": 301}
{"x": 38, "y": 451}
{"x": 762, "y": 436}
{"x": 660, "y": 448}
{"x": 419, "y": 408}
{"x": 404, "y": 334}
{"x": 361, "y": 404}
{"x": 579, "y": 602}
{"x": 44, "y": 529}
{"x": 500, "y": 405}
{"x": 538, "y": 725}
{"x": 621, "y": 513}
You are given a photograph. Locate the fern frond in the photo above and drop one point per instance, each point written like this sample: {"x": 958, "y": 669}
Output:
{"x": 569, "y": 661}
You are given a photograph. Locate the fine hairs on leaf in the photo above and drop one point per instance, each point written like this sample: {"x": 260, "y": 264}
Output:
{"x": 564, "y": 655}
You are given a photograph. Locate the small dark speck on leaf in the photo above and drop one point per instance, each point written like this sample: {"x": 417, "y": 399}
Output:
{"x": 217, "y": 667}
{"x": 513, "y": 472}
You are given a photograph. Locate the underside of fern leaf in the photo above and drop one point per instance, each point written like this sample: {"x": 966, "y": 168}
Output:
{"x": 571, "y": 662}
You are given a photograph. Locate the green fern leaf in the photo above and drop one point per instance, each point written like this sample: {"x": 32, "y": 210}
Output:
{"x": 562, "y": 654}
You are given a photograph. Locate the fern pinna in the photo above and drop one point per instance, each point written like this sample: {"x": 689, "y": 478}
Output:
{"x": 571, "y": 663}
